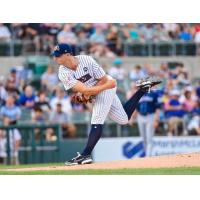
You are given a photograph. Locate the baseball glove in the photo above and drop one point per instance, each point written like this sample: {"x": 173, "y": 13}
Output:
{"x": 81, "y": 98}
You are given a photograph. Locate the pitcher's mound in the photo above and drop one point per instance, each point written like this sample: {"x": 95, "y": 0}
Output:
{"x": 180, "y": 160}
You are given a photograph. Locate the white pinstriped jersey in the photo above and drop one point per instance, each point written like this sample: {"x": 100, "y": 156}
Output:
{"x": 107, "y": 102}
{"x": 88, "y": 71}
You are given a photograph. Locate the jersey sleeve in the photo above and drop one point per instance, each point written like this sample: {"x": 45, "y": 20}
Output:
{"x": 67, "y": 79}
{"x": 97, "y": 69}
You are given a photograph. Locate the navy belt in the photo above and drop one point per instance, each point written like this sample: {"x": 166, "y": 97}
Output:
{"x": 145, "y": 114}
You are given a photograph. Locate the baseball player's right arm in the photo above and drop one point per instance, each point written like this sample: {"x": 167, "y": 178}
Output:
{"x": 70, "y": 82}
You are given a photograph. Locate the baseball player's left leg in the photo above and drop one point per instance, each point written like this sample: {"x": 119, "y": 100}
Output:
{"x": 132, "y": 103}
{"x": 144, "y": 86}
{"x": 117, "y": 112}
{"x": 121, "y": 114}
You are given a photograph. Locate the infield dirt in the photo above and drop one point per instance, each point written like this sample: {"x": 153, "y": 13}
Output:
{"x": 172, "y": 161}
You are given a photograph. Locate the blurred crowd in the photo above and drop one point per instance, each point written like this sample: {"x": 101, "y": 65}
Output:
{"x": 21, "y": 102}
{"x": 178, "y": 95}
{"x": 98, "y": 39}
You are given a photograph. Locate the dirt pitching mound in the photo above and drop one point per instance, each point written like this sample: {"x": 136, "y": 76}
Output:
{"x": 180, "y": 160}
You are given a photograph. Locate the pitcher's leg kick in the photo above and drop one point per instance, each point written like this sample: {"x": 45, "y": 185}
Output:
{"x": 106, "y": 104}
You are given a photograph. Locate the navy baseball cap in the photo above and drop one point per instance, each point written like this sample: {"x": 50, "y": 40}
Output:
{"x": 61, "y": 49}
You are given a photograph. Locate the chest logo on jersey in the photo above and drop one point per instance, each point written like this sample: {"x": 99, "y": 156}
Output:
{"x": 85, "y": 69}
{"x": 85, "y": 78}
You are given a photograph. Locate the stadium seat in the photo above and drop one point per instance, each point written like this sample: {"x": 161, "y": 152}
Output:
{"x": 38, "y": 64}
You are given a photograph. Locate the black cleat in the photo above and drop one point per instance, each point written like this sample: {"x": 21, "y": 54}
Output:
{"x": 79, "y": 160}
{"x": 147, "y": 83}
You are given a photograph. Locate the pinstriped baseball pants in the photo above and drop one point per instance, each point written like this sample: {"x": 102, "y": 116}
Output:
{"x": 107, "y": 103}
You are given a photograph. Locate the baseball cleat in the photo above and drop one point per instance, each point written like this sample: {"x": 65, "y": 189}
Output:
{"x": 79, "y": 160}
{"x": 147, "y": 83}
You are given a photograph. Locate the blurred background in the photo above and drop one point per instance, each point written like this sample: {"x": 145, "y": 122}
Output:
{"x": 40, "y": 124}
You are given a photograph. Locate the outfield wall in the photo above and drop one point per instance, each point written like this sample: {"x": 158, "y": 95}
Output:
{"x": 120, "y": 148}
{"x": 68, "y": 149}
{"x": 109, "y": 149}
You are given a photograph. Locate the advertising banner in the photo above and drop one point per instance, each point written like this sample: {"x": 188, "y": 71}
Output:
{"x": 109, "y": 149}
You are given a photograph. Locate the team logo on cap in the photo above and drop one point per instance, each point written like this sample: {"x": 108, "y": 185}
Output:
{"x": 56, "y": 48}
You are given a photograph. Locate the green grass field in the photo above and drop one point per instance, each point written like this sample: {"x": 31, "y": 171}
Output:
{"x": 159, "y": 171}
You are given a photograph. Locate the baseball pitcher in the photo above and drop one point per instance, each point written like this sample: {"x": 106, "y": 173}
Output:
{"x": 88, "y": 80}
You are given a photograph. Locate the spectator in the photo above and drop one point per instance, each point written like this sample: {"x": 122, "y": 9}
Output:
{"x": 34, "y": 32}
{"x": 188, "y": 99}
{"x": 15, "y": 140}
{"x": 3, "y": 92}
{"x": 88, "y": 28}
{"x": 114, "y": 42}
{"x": 10, "y": 113}
{"x": 133, "y": 32}
{"x": 137, "y": 73}
{"x": 185, "y": 34}
{"x": 182, "y": 74}
{"x": 170, "y": 27}
{"x": 163, "y": 71}
{"x": 18, "y": 30}
{"x": 13, "y": 77}
{"x": 49, "y": 37}
{"x": 117, "y": 71}
{"x": 42, "y": 102}
{"x": 5, "y": 34}
{"x": 147, "y": 33}
{"x": 83, "y": 41}
{"x": 198, "y": 90}
{"x": 38, "y": 116}
{"x": 77, "y": 107}
{"x": 63, "y": 100}
{"x": 49, "y": 80}
{"x": 160, "y": 34}
{"x": 98, "y": 44}
{"x": 2, "y": 147}
{"x": 194, "y": 123}
{"x": 197, "y": 37}
{"x": 174, "y": 112}
{"x": 66, "y": 35}
{"x": 98, "y": 37}
{"x": 12, "y": 90}
{"x": 27, "y": 99}
{"x": 60, "y": 117}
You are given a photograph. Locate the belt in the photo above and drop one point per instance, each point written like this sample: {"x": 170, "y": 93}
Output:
{"x": 145, "y": 114}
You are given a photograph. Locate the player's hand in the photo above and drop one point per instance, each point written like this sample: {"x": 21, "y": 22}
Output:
{"x": 81, "y": 98}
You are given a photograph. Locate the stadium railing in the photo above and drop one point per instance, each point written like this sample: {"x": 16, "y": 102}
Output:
{"x": 130, "y": 48}
{"x": 29, "y": 142}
